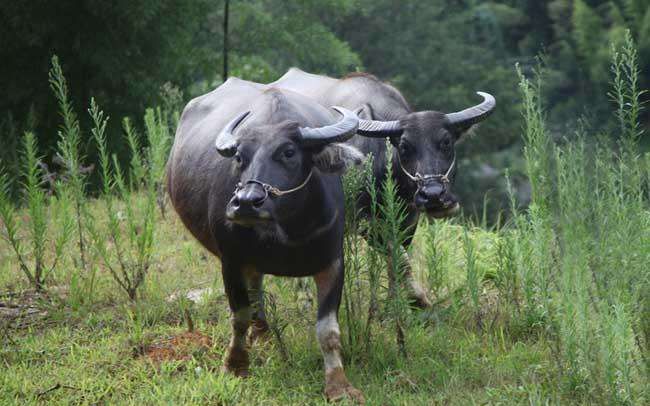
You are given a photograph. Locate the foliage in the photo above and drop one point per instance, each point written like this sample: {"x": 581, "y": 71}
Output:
{"x": 286, "y": 34}
{"x": 119, "y": 52}
{"x": 438, "y": 53}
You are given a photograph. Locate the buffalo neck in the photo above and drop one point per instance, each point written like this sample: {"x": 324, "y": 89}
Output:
{"x": 316, "y": 216}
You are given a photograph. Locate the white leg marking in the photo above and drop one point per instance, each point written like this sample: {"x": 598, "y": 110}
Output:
{"x": 328, "y": 333}
{"x": 240, "y": 321}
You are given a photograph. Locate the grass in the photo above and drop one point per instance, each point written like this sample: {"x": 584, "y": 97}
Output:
{"x": 91, "y": 353}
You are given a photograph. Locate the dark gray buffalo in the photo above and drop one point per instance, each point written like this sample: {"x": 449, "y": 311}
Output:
{"x": 424, "y": 157}
{"x": 254, "y": 174}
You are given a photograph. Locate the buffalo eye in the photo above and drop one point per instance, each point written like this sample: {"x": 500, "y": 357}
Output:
{"x": 289, "y": 153}
{"x": 445, "y": 144}
{"x": 238, "y": 159}
{"x": 405, "y": 149}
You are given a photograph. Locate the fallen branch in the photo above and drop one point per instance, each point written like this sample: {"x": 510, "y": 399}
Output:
{"x": 53, "y": 388}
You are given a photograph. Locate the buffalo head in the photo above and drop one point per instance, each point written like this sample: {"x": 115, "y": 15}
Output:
{"x": 425, "y": 157}
{"x": 275, "y": 164}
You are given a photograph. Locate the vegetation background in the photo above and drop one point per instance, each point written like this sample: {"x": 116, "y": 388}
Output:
{"x": 132, "y": 54}
{"x": 541, "y": 290}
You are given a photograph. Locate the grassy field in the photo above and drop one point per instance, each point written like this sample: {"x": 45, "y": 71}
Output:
{"x": 92, "y": 353}
{"x": 551, "y": 307}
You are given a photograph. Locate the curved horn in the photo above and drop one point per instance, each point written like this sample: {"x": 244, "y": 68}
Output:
{"x": 463, "y": 120}
{"x": 226, "y": 142}
{"x": 380, "y": 129}
{"x": 340, "y": 131}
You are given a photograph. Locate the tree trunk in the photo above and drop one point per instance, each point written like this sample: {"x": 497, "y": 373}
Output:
{"x": 225, "y": 39}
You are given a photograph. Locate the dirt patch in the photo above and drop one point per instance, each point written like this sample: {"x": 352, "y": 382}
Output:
{"x": 22, "y": 309}
{"x": 181, "y": 347}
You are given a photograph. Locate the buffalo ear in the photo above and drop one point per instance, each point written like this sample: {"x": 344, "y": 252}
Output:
{"x": 336, "y": 158}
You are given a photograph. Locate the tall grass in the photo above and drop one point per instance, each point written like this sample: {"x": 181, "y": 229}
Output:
{"x": 38, "y": 249}
{"x": 366, "y": 259}
{"x": 354, "y": 298}
{"x": 583, "y": 246}
{"x": 69, "y": 154}
{"x": 434, "y": 259}
{"x": 364, "y": 263}
{"x": 128, "y": 252}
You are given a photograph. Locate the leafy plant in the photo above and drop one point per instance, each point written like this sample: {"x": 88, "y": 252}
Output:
{"x": 31, "y": 235}
{"x": 73, "y": 175}
{"x": 130, "y": 213}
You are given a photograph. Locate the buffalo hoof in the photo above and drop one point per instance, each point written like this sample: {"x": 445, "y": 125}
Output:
{"x": 236, "y": 362}
{"x": 259, "y": 332}
{"x": 337, "y": 387}
{"x": 420, "y": 301}
{"x": 417, "y": 296}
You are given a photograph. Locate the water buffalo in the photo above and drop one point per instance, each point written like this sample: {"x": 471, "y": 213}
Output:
{"x": 254, "y": 174}
{"x": 424, "y": 158}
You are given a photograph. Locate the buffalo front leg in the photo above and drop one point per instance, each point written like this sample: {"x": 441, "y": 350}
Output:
{"x": 236, "y": 361}
{"x": 329, "y": 284}
{"x": 259, "y": 326}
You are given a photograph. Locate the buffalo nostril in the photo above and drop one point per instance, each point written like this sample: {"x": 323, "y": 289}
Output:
{"x": 251, "y": 200}
{"x": 432, "y": 193}
{"x": 259, "y": 202}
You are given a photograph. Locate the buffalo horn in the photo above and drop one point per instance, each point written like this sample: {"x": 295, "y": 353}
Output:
{"x": 340, "y": 131}
{"x": 226, "y": 141}
{"x": 463, "y": 120}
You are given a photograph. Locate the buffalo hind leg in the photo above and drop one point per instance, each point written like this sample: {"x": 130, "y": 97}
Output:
{"x": 417, "y": 296}
{"x": 259, "y": 326}
{"x": 329, "y": 284}
{"x": 236, "y": 361}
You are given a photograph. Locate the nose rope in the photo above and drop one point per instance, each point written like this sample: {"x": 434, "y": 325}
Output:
{"x": 420, "y": 179}
{"x": 272, "y": 190}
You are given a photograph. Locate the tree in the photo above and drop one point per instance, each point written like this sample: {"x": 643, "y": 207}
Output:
{"x": 120, "y": 52}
